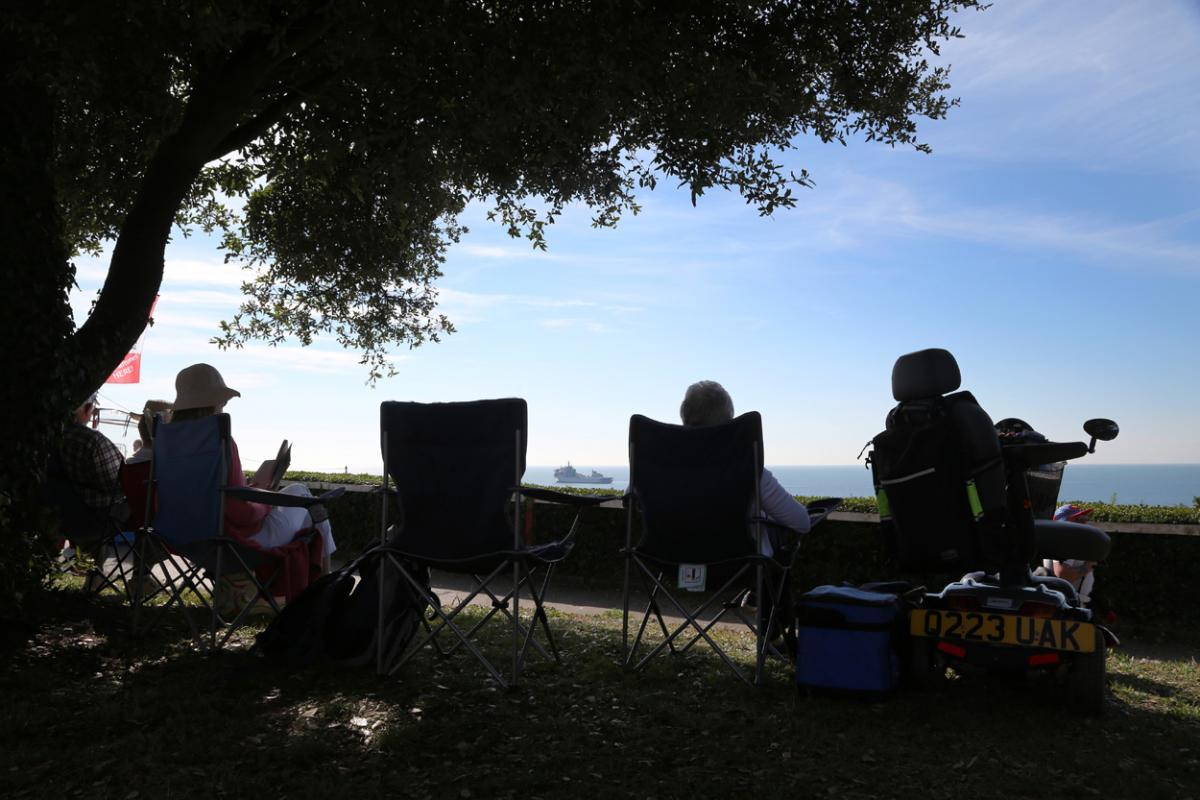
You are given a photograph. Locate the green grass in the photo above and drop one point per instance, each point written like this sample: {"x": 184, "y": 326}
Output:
{"x": 88, "y": 713}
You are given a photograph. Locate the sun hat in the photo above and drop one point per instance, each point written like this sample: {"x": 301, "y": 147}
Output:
{"x": 201, "y": 386}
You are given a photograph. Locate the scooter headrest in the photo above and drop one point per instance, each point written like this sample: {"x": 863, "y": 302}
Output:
{"x": 925, "y": 374}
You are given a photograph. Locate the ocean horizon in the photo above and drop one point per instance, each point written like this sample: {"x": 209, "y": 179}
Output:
{"x": 1130, "y": 484}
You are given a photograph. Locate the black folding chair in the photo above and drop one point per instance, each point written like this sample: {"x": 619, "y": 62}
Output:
{"x": 186, "y": 535}
{"x": 457, "y": 471}
{"x": 95, "y": 532}
{"x": 697, "y": 489}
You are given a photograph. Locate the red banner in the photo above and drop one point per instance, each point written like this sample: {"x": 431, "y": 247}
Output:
{"x": 130, "y": 370}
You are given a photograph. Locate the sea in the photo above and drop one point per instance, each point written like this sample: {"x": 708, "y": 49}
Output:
{"x": 1130, "y": 484}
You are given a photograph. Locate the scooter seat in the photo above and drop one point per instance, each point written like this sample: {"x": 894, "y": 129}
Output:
{"x": 1063, "y": 540}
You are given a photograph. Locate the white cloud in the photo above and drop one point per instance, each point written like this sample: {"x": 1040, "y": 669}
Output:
{"x": 1105, "y": 84}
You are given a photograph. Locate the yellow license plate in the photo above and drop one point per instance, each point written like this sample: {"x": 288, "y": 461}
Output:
{"x": 1004, "y": 629}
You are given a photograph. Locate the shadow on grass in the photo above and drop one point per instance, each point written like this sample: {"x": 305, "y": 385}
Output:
{"x": 91, "y": 713}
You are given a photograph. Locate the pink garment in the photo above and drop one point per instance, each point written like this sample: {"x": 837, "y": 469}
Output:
{"x": 299, "y": 562}
{"x": 243, "y": 518}
{"x": 299, "y": 565}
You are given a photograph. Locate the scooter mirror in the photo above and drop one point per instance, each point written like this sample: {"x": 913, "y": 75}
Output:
{"x": 1103, "y": 429}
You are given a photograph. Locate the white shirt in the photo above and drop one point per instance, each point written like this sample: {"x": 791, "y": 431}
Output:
{"x": 780, "y": 507}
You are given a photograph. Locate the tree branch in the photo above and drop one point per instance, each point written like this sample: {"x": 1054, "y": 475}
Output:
{"x": 262, "y": 122}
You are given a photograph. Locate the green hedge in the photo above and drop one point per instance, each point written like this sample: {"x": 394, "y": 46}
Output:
{"x": 1147, "y": 578}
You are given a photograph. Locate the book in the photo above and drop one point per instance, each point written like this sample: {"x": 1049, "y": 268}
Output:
{"x": 270, "y": 472}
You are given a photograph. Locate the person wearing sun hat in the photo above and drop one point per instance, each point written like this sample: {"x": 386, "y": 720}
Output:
{"x": 200, "y": 386}
{"x": 200, "y": 391}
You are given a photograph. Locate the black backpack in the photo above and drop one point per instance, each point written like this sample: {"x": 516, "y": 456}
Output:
{"x": 337, "y": 616}
{"x": 928, "y": 507}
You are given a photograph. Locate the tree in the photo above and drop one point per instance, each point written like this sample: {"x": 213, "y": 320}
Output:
{"x": 334, "y": 143}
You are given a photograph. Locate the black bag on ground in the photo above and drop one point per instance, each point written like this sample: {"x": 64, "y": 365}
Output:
{"x": 337, "y": 616}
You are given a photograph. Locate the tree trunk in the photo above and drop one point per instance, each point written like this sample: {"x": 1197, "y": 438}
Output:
{"x": 35, "y": 318}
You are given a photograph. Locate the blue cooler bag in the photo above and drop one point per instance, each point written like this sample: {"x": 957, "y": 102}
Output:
{"x": 846, "y": 641}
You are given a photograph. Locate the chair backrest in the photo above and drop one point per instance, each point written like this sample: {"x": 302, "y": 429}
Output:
{"x": 189, "y": 468}
{"x": 696, "y": 487}
{"x": 938, "y": 470}
{"x": 135, "y": 481}
{"x": 454, "y": 466}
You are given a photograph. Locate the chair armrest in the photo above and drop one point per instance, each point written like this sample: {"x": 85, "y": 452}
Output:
{"x": 269, "y": 498}
{"x": 818, "y": 510}
{"x": 551, "y": 496}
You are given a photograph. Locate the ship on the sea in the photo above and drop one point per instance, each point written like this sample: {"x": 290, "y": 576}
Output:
{"x": 569, "y": 474}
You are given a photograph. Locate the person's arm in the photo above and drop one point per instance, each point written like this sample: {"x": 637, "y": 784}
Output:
{"x": 781, "y": 507}
{"x": 242, "y": 514}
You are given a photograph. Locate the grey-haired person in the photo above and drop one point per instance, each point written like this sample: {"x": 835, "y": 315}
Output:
{"x": 707, "y": 403}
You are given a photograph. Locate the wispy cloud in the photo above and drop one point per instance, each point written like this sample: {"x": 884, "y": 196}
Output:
{"x": 866, "y": 211}
{"x": 1080, "y": 81}
{"x": 564, "y": 323}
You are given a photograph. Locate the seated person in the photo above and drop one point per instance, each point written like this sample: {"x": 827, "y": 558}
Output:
{"x": 201, "y": 392}
{"x": 85, "y": 480}
{"x": 707, "y": 403}
{"x": 135, "y": 475}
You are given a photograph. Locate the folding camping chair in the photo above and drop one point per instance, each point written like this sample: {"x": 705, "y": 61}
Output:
{"x": 186, "y": 511}
{"x": 697, "y": 489}
{"x": 94, "y": 531}
{"x": 457, "y": 470}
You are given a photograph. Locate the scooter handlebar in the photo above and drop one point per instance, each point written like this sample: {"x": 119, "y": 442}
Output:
{"x": 1031, "y": 455}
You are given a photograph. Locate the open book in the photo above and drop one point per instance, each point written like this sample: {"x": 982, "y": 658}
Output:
{"x": 271, "y": 471}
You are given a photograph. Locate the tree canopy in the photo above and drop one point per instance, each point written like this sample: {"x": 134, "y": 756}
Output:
{"x": 333, "y": 144}
{"x": 352, "y": 134}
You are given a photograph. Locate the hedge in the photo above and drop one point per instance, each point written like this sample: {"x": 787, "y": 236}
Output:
{"x": 1147, "y": 578}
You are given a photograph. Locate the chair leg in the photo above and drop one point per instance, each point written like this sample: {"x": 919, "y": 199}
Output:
{"x": 539, "y": 617}
{"x": 499, "y": 606}
{"x": 690, "y": 622}
{"x": 446, "y": 621}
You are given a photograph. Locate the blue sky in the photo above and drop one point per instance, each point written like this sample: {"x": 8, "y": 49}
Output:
{"x": 1051, "y": 242}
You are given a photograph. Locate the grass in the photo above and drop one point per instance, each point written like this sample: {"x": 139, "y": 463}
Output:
{"x": 89, "y": 713}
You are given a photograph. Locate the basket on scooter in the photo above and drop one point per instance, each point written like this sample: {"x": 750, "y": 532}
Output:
{"x": 1044, "y": 482}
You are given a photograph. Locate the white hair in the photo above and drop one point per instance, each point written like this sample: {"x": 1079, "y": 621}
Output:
{"x": 705, "y": 403}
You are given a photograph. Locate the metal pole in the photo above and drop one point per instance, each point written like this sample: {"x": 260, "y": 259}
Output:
{"x": 628, "y": 557}
{"x": 382, "y": 540}
{"x": 517, "y": 564}
{"x": 760, "y": 655}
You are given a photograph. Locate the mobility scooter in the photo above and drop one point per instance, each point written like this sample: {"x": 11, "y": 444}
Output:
{"x": 952, "y": 500}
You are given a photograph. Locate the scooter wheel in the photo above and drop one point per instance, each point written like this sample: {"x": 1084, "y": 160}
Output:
{"x": 1086, "y": 683}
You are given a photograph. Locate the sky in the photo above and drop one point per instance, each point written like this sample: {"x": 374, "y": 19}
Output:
{"x": 1051, "y": 242}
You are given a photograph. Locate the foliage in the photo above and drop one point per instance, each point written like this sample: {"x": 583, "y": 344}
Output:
{"x": 333, "y": 145}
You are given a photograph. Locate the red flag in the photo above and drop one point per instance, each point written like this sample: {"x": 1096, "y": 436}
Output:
{"x": 130, "y": 369}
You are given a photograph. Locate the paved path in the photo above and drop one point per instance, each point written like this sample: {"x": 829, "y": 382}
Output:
{"x": 570, "y": 596}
